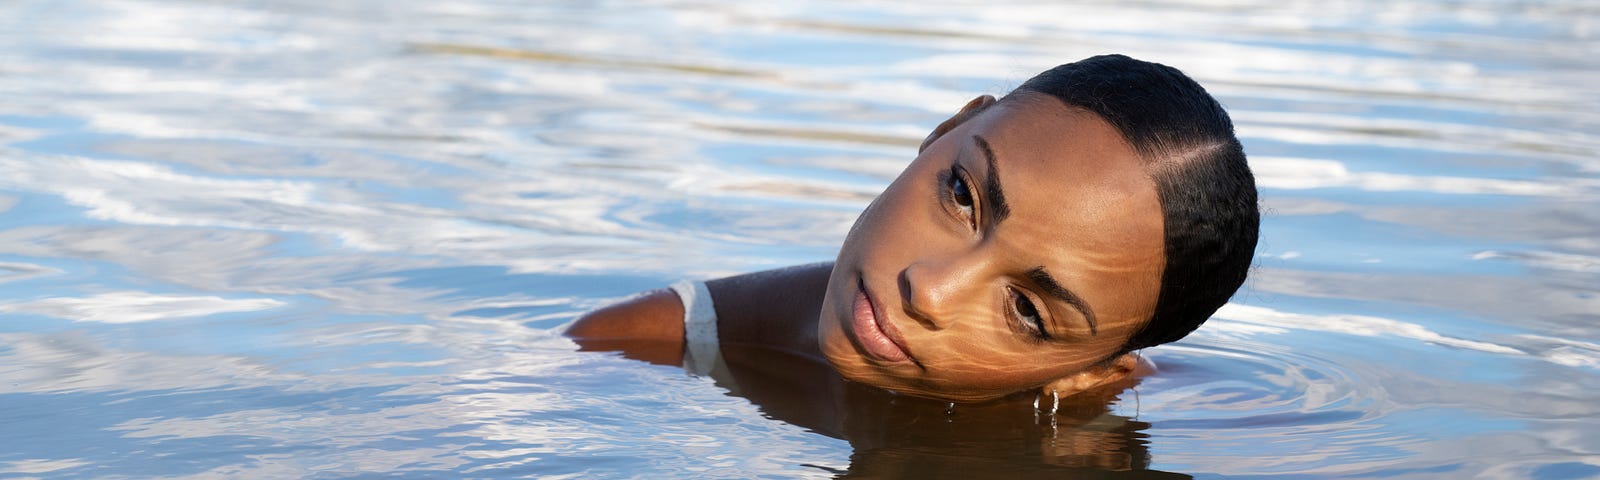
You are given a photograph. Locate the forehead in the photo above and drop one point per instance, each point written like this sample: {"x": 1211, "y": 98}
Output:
{"x": 1042, "y": 132}
{"x": 1082, "y": 203}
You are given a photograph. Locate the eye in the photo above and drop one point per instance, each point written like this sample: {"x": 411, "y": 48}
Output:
{"x": 955, "y": 194}
{"x": 959, "y": 190}
{"x": 1028, "y": 314}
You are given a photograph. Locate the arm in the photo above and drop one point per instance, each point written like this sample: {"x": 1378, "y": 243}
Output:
{"x": 646, "y": 327}
{"x": 772, "y": 308}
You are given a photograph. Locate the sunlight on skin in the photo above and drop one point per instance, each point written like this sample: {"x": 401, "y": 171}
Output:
{"x": 941, "y": 277}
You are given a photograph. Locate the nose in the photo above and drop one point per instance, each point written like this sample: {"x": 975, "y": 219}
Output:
{"x": 931, "y": 290}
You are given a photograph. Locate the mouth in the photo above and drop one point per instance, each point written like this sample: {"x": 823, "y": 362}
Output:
{"x": 877, "y": 337}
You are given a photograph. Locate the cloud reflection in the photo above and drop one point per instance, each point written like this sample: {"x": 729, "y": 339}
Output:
{"x": 1244, "y": 321}
{"x": 1550, "y": 260}
{"x": 11, "y": 272}
{"x": 134, "y": 307}
{"x": 1360, "y": 325}
{"x": 1304, "y": 173}
{"x": 41, "y": 465}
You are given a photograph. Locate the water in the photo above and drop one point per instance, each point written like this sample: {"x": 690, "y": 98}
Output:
{"x": 332, "y": 239}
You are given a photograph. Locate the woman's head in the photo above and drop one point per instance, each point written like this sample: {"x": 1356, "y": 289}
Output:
{"x": 1208, "y": 196}
{"x": 1036, "y": 238}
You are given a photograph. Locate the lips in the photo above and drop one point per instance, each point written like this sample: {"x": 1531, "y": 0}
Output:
{"x": 878, "y": 337}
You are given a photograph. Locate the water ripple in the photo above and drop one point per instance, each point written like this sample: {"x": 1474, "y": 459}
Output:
{"x": 305, "y": 238}
{"x": 1310, "y": 413}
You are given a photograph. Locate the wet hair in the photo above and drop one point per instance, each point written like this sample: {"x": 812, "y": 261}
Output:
{"x": 1207, "y": 193}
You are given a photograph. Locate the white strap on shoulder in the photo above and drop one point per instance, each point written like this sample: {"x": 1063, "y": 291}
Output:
{"x": 701, "y": 352}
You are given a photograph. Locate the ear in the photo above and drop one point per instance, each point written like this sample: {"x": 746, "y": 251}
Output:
{"x": 970, "y": 110}
{"x": 1123, "y": 368}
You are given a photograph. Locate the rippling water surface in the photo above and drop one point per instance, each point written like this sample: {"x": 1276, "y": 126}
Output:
{"x": 324, "y": 239}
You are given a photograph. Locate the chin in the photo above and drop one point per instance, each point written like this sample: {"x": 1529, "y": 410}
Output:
{"x": 850, "y": 365}
{"x": 842, "y": 355}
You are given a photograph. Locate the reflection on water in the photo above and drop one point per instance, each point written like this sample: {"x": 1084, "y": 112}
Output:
{"x": 325, "y": 238}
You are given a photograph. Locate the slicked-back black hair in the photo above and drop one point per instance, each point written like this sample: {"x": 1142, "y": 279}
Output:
{"x": 1207, "y": 193}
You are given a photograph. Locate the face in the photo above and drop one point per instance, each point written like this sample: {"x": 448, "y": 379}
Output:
{"x": 1020, "y": 247}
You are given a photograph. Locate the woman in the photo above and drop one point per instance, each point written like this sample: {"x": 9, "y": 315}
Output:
{"x": 1035, "y": 242}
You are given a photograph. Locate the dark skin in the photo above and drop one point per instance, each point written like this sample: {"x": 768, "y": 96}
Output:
{"x": 1019, "y": 250}
{"x": 997, "y": 305}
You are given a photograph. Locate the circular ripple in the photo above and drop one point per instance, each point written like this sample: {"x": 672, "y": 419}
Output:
{"x": 1248, "y": 400}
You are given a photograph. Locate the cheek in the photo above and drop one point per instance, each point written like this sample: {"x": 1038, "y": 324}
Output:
{"x": 905, "y": 212}
{"x": 998, "y": 371}
{"x": 841, "y": 354}
{"x": 886, "y": 209}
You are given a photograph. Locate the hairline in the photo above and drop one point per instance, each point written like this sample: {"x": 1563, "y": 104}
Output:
{"x": 1162, "y": 163}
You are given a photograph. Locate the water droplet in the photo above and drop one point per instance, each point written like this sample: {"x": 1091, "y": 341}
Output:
{"x": 950, "y": 408}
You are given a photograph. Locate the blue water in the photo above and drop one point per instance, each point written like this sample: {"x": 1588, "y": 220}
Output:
{"x": 337, "y": 239}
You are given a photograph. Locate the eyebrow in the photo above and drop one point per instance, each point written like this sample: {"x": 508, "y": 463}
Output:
{"x": 998, "y": 209}
{"x": 1054, "y": 288}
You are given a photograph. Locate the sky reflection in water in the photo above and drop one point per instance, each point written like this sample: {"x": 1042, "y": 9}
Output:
{"x": 325, "y": 238}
